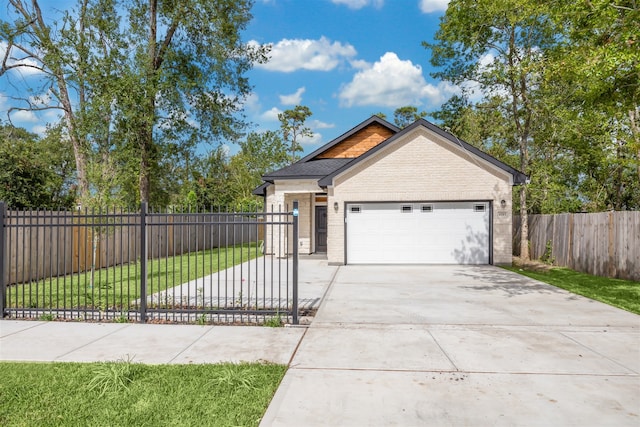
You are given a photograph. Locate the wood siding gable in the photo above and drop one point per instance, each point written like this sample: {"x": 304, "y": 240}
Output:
{"x": 358, "y": 143}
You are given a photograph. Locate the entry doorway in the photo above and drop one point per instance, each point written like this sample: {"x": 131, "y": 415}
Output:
{"x": 321, "y": 229}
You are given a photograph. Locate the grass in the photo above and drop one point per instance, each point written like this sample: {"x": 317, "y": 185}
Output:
{"x": 118, "y": 286}
{"x": 274, "y": 322}
{"x": 624, "y": 294}
{"x": 125, "y": 394}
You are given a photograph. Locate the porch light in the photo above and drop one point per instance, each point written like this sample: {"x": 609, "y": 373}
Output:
{"x": 503, "y": 203}
{"x": 335, "y": 206}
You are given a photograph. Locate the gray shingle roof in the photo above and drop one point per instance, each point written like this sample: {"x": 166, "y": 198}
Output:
{"x": 324, "y": 170}
{"x": 317, "y": 168}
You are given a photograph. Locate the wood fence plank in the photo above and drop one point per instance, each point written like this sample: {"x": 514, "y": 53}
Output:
{"x": 603, "y": 243}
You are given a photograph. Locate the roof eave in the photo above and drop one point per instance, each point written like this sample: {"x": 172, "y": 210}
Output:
{"x": 261, "y": 190}
{"x": 272, "y": 179}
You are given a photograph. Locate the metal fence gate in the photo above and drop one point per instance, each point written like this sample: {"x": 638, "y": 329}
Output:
{"x": 149, "y": 266}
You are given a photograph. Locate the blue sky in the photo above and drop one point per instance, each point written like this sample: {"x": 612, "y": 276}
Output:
{"x": 344, "y": 59}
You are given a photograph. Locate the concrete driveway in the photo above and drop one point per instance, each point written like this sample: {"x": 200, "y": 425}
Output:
{"x": 449, "y": 345}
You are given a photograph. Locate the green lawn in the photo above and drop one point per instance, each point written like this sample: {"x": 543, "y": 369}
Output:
{"x": 624, "y": 294}
{"x": 117, "y": 287}
{"x": 131, "y": 394}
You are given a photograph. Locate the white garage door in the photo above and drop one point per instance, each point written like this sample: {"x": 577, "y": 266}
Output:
{"x": 418, "y": 233}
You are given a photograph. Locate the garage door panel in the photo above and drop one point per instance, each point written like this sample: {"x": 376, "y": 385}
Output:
{"x": 445, "y": 233}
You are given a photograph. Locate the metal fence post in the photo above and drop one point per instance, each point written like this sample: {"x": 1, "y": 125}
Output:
{"x": 3, "y": 256}
{"x": 295, "y": 262}
{"x": 143, "y": 262}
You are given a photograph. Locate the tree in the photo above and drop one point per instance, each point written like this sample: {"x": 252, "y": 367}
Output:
{"x": 229, "y": 181}
{"x": 404, "y": 116}
{"x": 34, "y": 172}
{"x": 293, "y": 128}
{"x": 137, "y": 78}
{"x": 596, "y": 66}
{"x": 263, "y": 152}
{"x": 499, "y": 45}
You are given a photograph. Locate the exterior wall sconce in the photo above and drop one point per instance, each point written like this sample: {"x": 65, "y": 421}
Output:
{"x": 503, "y": 203}
{"x": 335, "y": 206}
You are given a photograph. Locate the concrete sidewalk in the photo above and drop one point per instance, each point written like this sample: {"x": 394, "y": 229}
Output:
{"x": 145, "y": 343}
{"x": 460, "y": 346}
{"x": 22, "y": 340}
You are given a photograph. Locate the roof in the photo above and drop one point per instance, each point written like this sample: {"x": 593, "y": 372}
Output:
{"x": 261, "y": 190}
{"x": 325, "y": 170}
{"x": 315, "y": 168}
{"x": 518, "y": 177}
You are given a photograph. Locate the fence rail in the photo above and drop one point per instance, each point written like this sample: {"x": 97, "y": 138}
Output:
{"x": 147, "y": 266}
{"x": 603, "y": 244}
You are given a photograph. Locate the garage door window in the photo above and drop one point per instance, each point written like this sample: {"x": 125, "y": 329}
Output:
{"x": 355, "y": 209}
{"x": 406, "y": 209}
{"x": 479, "y": 208}
{"x": 427, "y": 208}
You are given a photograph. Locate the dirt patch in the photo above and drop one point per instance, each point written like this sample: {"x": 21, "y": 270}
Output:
{"x": 532, "y": 265}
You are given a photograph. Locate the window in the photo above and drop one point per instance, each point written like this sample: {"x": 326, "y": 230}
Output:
{"x": 479, "y": 208}
{"x": 355, "y": 209}
{"x": 406, "y": 208}
{"x": 426, "y": 208}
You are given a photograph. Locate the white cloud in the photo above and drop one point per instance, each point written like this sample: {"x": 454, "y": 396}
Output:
{"x": 360, "y": 64}
{"x": 52, "y": 115}
{"x": 305, "y": 54}
{"x": 429, "y": 6}
{"x": 252, "y": 103}
{"x": 317, "y": 124}
{"x": 24, "y": 116}
{"x": 39, "y": 129}
{"x": 359, "y": 4}
{"x": 271, "y": 115}
{"x": 41, "y": 100}
{"x": 26, "y": 66}
{"x": 315, "y": 138}
{"x": 294, "y": 98}
{"x": 392, "y": 82}
{"x": 486, "y": 60}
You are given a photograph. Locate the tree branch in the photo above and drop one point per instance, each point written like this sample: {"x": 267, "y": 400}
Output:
{"x": 166, "y": 43}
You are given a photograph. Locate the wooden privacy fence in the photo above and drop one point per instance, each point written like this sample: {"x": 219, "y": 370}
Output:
{"x": 42, "y": 243}
{"x": 603, "y": 244}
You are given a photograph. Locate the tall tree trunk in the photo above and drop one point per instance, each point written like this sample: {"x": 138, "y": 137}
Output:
{"x": 519, "y": 105}
{"x": 524, "y": 225}
{"x": 42, "y": 33}
{"x": 146, "y": 139}
{"x": 146, "y": 133}
{"x": 634, "y": 119}
{"x": 524, "y": 215}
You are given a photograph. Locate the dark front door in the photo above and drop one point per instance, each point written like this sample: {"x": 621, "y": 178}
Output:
{"x": 321, "y": 229}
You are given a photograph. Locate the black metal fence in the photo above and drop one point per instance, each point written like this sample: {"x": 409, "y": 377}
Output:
{"x": 147, "y": 266}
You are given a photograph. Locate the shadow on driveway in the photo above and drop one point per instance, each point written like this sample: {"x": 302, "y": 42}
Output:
{"x": 510, "y": 283}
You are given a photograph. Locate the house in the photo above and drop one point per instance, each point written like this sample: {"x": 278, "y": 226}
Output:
{"x": 383, "y": 195}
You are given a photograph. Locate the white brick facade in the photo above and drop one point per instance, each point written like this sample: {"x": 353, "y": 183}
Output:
{"x": 418, "y": 166}
{"x": 421, "y": 166}
{"x": 280, "y": 198}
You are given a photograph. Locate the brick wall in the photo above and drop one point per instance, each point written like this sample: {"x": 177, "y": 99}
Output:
{"x": 280, "y": 198}
{"x": 422, "y": 167}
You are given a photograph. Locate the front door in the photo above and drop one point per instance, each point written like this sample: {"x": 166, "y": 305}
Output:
{"x": 321, "y": 229}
